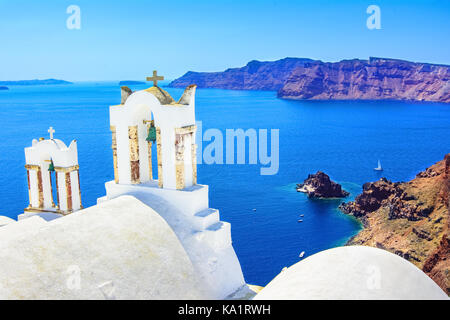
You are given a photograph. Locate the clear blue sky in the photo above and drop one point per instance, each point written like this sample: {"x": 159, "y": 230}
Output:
{"x": 128, "y": 39}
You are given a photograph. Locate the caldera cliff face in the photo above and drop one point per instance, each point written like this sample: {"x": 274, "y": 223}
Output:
{"x": 410, "y": 219}
{"x": 256, "y": 75}
{"x": 375, "y": 79}
{"x": 306, "y": 79}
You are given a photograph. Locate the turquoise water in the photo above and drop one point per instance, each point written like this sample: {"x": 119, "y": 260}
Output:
{"x": 343, "y": 139}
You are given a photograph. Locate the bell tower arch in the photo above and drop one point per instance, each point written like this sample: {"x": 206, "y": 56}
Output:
{"x": 151, "y": 117}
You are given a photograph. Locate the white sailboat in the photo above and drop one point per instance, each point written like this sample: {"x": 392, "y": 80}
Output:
{"x": 379, "y": 168}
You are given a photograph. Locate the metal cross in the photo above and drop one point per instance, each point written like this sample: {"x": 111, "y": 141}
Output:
{"x": 155, "y": 78}
{"x": 51, "y": 131}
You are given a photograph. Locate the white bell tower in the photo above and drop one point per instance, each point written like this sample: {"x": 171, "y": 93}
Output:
{"x": 153, "y": 116}
{"x": 52, "y": 158}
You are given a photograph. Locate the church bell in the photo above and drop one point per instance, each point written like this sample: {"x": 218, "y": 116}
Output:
{"x": 151, "y": 133}
{"x": 51, "y": 167}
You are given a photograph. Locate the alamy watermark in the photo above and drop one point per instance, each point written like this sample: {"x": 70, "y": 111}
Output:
{"x": 214, "y": 148}
{"x": 73, "y": 280}
{"x": 73, "y": 22}
{"x": 374, "y": 20}
{"x": 373, "y": 281}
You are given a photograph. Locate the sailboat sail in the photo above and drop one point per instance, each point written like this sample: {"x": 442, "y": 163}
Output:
{"x": 379, "y": 168}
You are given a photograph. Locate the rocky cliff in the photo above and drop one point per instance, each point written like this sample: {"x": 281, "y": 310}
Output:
{"x": 410, "y": 219}
{"x": 375, "y": 79}
{"x": 306, "y": 79}
{"x": 256, "y": 75}
{"x": 319, "y": 185}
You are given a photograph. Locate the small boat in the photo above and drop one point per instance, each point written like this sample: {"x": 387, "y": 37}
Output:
{"x": 302, "y": 215}
{"x": 300, "y": 220}
{"x": 379, "y": 168}
{"x": 301, "y": 254}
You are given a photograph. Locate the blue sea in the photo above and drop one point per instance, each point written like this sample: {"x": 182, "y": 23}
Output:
{"x": 343, "y": 139}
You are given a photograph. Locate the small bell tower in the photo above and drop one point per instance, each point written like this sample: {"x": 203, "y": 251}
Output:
{"x": 49, "y": 160}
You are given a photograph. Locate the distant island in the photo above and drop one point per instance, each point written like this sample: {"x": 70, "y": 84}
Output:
{"x": 33, "y": 82}
{"x": 410, "y": 219}
{"x": 130, "y": 82}
{"x": 4, "y": 88}
{"x": 307, "y": 79}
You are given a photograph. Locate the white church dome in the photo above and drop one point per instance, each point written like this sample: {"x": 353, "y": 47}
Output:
{"x": 119, "y": 249}
{"x": 5, "y": 220}
{"x": 60, "y": 144}
{"x": 353, "y": 272}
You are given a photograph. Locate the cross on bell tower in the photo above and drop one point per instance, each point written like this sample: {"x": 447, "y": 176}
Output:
{"x": 155, "y": 78}
{"x": 51, "y": 131}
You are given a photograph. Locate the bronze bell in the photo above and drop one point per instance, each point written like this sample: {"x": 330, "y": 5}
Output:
{"x": 151, "y": 134}
{"x": 51, "y": 167}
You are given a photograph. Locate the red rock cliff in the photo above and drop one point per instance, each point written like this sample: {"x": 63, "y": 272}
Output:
{"x": 410, "y": 219}
{"x": 306, "y": 79}
{"x": 375, "y": 79}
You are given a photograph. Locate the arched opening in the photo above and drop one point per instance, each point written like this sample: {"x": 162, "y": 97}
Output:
{"x": 144, "y": 153}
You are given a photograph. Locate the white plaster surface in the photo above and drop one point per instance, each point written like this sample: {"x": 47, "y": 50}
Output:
{"x": 353, "y": 272}
{"x": 47, "y": 216}
{"x": 121, "y": 249}
{"x": 205, "y": 238}
{"x": 5, "y": 220}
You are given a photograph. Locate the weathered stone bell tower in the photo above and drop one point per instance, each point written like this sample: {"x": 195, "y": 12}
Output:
{"x": 152, "y": 116}
{"x": 44, "y": 158}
